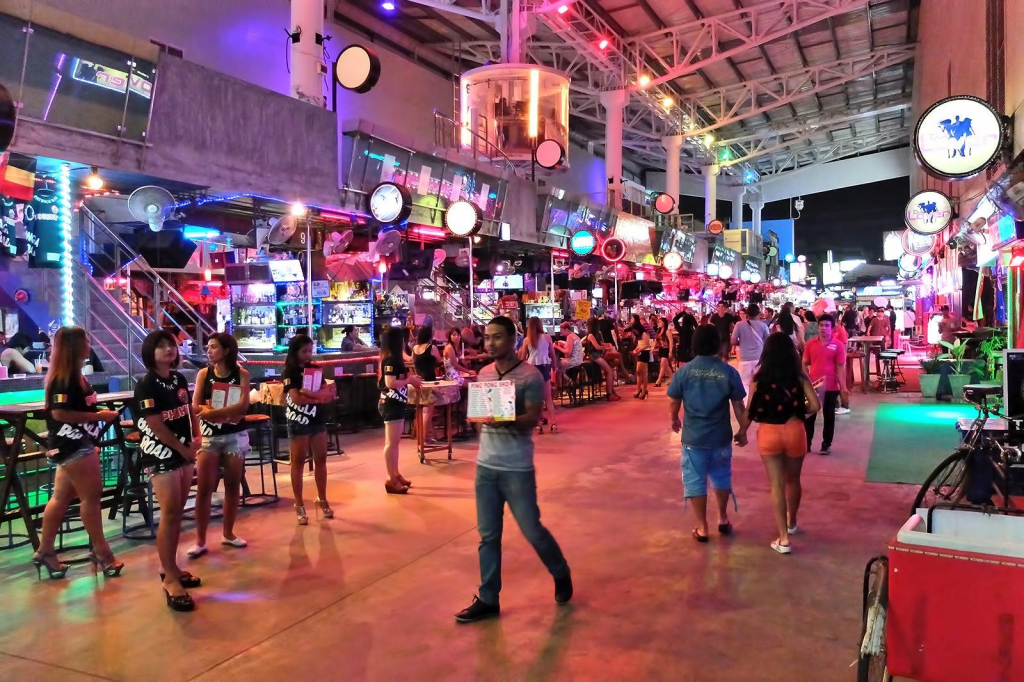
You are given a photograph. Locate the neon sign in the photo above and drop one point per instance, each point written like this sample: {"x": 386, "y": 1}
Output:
{"x": 108, "y": 78}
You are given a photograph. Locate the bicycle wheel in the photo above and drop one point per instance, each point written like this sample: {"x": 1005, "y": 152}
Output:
{"x": 871, "y": 664}
{"x": 945, "y": 483}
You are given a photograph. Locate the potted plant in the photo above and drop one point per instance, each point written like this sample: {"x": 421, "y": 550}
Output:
{"x": 929, "y": 378}
{"x": 957, "y": 380}
{"x": 989, "y": 350}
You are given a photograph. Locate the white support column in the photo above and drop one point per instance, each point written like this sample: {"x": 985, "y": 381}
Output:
{"x": 737, "y": 209}
{"x": 710, "y": 192}
{"x": 307, "y": 18}
{"x": 614, "y": 102}
{"x": 673, "y": 149}
{"x": 756, "y": 206}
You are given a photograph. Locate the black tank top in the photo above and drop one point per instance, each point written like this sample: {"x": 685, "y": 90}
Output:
{"x": 775, "y": 404}
{"x": 426, "y": 364}
{"x": 212, "y": 428}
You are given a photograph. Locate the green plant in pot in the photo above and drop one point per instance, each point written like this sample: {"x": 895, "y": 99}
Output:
{"x": 957, "y": 380}
{"x": 929, "y": 378}
{"x": 989, "y": 350}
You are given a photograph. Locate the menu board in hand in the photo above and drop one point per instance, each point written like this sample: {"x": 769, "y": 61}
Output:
{"x": 225, "y": 395}
{"x": 312, "y": 379}
{"x": 492, "y": 401}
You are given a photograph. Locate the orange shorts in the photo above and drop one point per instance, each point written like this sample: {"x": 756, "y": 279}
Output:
{"x": 788, "y": 439}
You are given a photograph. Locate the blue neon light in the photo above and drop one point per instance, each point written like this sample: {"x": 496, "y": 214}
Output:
{"x": 198, "y": 233}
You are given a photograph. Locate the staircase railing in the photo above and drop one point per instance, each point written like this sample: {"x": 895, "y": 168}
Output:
{"x": 450, "y": 135}
{"x": 128, "y": 328}
{"x": 125, "y": 260}
{"x": 452, "y": 296}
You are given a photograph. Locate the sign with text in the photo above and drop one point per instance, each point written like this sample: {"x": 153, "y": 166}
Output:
{"x": 928, "y": 212}
{"x": 958, "y": 137}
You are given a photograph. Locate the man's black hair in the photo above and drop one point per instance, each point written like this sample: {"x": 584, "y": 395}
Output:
{"x": 706, "y": 340}
{"x": 505, "y": 323}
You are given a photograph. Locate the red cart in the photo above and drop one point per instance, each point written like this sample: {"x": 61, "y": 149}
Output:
{"x": 948, "y": 601}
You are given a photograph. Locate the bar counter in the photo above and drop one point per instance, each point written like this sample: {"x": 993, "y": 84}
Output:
{"x": 270, "y": 365}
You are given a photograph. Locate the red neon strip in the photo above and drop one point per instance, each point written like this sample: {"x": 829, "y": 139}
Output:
{"x": 322, "y": 363}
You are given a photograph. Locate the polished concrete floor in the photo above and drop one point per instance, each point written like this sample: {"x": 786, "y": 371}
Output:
{"x": 370, "y": 595}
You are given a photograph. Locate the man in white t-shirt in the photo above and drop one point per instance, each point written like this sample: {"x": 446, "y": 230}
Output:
{"x": 748, "y": 337}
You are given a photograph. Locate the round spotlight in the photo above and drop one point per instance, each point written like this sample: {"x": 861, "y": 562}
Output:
{"x": 563, "y": 9}
{"x": 725, "y": 271}
{"x": 755, "y": 278}
{"x": 298, "y": 209}
{"x": 790, "y": 258}
{"x": 801, "y": 259}
{"x": 603, "y": 45}
{"x": 94, "y": 181}
{"x": 745, "y": 276}
{"x": 387, "y": 6}
{"x": 644, "y": 80}
{"x": 776, "y": 282}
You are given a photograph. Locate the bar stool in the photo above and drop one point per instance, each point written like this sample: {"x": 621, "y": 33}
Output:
{"x": 892, "y": 376}
{"x": 346, "y": 406}
{"x": 261, "y": 455}
{"x": 35, "y": 483}
{"x": 138, "y": 489}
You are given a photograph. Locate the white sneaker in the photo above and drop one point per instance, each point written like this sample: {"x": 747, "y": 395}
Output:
{"x": 781, "y": 548}
{"x": 842, "y": 410}
{"x": 196, "y": 551}
{"x": 237, "y": 543}
{"x": 793, "y": 530}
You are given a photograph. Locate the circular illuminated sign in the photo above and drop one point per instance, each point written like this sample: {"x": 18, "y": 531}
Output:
{"x": 390, "y": 203}
{"x": 672, "y": 261}
{"x": 910, "y": 263}
{"x": 773, "y": 251}
{"x": 463, "y": 219}
{"x": 550, "y": 154}
{"x": 958, "y": 137}
{"x": 725, "y": 271}
{"x": 755, "y": 277}
{"x": 664, "y": 203}
{"x": 583, "y": 243}
{"x": 357, "y": 69}
{"x": 917, "y": 244}
{"x": 716, "y": 227}
{"x": 613, "y": 249}
{"x": 745, "y": 276}
{"x": 928, "y": 212}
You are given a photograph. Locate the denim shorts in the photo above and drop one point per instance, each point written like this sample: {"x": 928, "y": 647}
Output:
{"x": 699, "y": 464}
{"x": 55, "y": 458}
{"x": 301, "y": 430}
{"x": 227, "y": 444}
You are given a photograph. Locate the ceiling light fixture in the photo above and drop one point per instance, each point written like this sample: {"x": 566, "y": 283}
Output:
{"x": 603, "y": 44}
{"x": 563, "y": 9}
{"x": 644, "y": 80}
{"x": 387, "y": 6}
{"x": 94, "y": 181}
{"x": 298, "y": 209}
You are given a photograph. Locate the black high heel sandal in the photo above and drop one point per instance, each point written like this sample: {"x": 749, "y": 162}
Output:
{"x": 186, "y": 579}
{"x": 39, "y": 561}
{"x": 109, "y": 566}
{"x": 644, "y": 396}
{"x": 181, "y": 602}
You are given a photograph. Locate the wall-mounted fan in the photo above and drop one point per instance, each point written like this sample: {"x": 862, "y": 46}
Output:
{"x": 151, "y": 204}
{"x": 337, "y": 242}
{"x": 282, "y": 229}
{"x": 439, "y": 257}
{"x": 8, "y": 117}
{"x": 388, "y": 243}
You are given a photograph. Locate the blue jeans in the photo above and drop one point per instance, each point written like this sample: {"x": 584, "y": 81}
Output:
{"x": 519, "y": 488}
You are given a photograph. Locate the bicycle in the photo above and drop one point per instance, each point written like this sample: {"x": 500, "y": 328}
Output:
{"x": 979, "y": 469}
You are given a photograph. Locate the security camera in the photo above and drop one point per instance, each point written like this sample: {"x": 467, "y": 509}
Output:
{"x": 798, "y": 204}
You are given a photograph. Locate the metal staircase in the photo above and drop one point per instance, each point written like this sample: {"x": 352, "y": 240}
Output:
{"x": 448, "y": 302}
{"x": 116, "y": 317}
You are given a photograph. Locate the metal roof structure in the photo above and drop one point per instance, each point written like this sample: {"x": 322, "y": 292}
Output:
{"x": 763, "y": 85}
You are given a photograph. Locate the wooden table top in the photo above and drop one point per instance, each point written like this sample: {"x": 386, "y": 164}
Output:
{"x": 39, "y": 406}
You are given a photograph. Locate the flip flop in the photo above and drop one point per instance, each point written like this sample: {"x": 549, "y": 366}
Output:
{"x": 698, "y": 537}
{"x": 725, "y": 528}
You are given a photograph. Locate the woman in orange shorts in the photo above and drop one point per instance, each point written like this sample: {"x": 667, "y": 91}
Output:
{"x": 781, "y": 396}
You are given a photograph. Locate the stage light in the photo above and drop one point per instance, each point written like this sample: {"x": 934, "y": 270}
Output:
{"x": 387, "y": 6}
{"x": 298, "y": 209}
{"x": 709, "y": 140}
{"x": 745, "y": 276}
{"x": 383, "y": 267}
{"x": 801, "y": 259}
{"x": 725, "y": 154}
{"x": 94, "y": 181}
{"x": 725, "y": 271}
{"x": 667, "y": 103}
{"x": 790, "y": 258}
{"x": 563, "y": 9}
{"x": 644, "y": 80}
{"x": 755, "y": 277}
{"x": 603, "y": 45}
{"x": 476, "y": 239}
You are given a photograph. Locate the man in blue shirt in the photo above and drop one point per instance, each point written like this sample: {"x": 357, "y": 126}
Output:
{"x": 707, "y": 385}
{"x": 749, "y": 336}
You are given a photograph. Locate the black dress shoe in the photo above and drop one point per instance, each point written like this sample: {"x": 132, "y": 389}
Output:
{"x": 478, "y": 610}
{"x": 563, "y": 589}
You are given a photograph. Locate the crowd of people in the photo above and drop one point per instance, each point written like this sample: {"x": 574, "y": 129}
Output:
{"x": 788, "y": 369}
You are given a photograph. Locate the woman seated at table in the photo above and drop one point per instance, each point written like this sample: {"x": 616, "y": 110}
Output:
{"x": 13, "y": 356}
{"x": 170, "y": 439}
{"x": 425, "y": 359}
{"x": 571, "y": 348}
{"x": 596, "y": 348}
{"x": 351, "y": 342}
{"x": 75, "y": 427}
{"x": 453, "y": 353}
{"x": 225, "y": 439}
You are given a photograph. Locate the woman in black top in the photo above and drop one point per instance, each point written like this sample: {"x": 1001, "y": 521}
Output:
{"x": 393, "y": 379}
{"x": 596, "y": 346}
{"x": 75, "y": 426}
{"x": 225, "y": 440}
{"x": 663, "y": 346}
{"x": 781, "y": 396}
{"x": 304, "y": 416}
{"x": 425, "y": 359}
{"x": 643, "y": 357}
{"x": 170, "y": 439}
